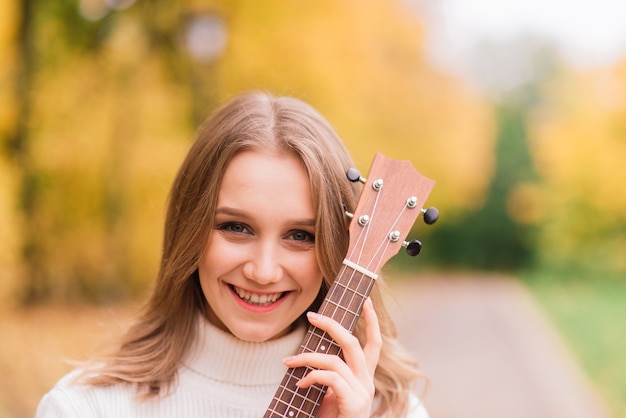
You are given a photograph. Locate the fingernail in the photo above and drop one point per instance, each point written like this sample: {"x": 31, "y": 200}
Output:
{"x": 313, "y": 315}
{"x": 288, "y": 360}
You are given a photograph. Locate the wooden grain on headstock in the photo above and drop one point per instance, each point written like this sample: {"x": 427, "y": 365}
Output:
{"x": 386, "y": 210}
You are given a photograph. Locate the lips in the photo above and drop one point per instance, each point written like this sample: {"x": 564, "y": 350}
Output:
{"x": 257, "y": 299}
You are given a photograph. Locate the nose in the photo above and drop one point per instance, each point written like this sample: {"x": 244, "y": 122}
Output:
{"x": 263, "y": 265}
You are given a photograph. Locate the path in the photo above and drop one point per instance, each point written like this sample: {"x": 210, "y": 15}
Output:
{"x": 488, "y": 351}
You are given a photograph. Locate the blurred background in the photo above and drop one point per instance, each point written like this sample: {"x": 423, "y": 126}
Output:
{"x": 516, "y": 109}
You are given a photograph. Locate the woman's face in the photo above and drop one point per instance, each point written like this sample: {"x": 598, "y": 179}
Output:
{"x": 260, "y": 272}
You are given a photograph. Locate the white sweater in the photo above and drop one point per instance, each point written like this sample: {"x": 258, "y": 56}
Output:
{"x": 222, "y": 377}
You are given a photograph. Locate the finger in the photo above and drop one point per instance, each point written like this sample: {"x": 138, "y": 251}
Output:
{"x": 332, "y": 372}
{"x": 340, "y": 386}
{"x": 374, "y": 341}
{"x": 352, "y": 351}
{"x": 349, "y": 400}
{"x": 351, "y": 394}
{"x": 319, "y": 361}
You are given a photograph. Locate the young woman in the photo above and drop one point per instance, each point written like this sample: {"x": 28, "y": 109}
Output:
{"x": 255, "y": 233}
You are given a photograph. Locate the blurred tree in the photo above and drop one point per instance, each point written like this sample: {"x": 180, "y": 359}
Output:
{"x": 579, "y": 140}
{"x": 10, "y": 241}
{"x": 363, "y": 65}
{"x": 19, "y": 146}
{"x": 114, "y": 90}
{"x": 491, "y": 237}
{"x": 88, "y": 121}
{"x": 502, "y": 233}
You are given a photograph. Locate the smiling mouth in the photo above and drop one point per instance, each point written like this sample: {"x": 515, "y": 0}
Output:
{"x": 255, "y": 299}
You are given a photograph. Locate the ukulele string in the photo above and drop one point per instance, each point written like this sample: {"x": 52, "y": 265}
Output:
{"x": 365, "y": 232}
{"x": 346, "y": 311}
{"x": 385, "y": 243}
{"x": 324, "y": 339}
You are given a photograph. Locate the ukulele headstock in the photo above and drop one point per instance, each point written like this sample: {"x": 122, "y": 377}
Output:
{"x": 392, "y": 198}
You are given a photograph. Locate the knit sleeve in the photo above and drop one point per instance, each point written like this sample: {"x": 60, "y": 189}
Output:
{"x": 64, "y": 401}
{"x": 416, "y": 408}
{"x": 55, "y": 404}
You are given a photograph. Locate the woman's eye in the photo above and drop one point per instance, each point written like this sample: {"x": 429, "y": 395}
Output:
{"x": 235, "y": 227}
{"x": 303, "y": 236}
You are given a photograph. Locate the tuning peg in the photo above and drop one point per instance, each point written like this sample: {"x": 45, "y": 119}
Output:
{"x": 413, "y": 248}
{"x": 346, "y": 211}
{"x": 354, "y": 175}
{"x": 430, "y": 215}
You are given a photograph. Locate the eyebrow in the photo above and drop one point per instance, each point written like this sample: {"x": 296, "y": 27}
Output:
{"x": 225, "y": 210}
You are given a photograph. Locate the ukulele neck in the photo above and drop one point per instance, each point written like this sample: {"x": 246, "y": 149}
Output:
{"x": 346, "y": 296}
{"x": 343, "y": 303}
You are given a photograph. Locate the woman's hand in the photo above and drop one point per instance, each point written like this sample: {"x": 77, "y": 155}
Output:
{"x": 350, "y": 382}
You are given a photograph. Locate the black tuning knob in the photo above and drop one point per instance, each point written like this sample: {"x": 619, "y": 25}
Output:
{"x": 430, "y": 215}
{"x": 354, "y": 175}
{"x": 413, "y": 248}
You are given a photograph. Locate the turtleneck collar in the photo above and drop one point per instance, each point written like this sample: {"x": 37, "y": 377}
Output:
{"x": 223, "y": 357}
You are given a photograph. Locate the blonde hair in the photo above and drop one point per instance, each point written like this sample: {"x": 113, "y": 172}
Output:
{"x": 152, "y": 348}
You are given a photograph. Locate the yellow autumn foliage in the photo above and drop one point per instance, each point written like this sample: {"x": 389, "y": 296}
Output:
{"x": 108, "y": 127}
{"x": 108, "y": 147}
{"x": 363, "y": 65}
{"x": 579, "y": 143}
{"x": 9, "y": 228}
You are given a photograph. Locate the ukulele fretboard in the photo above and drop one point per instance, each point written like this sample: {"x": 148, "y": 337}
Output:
{"x": 343, "y": 303}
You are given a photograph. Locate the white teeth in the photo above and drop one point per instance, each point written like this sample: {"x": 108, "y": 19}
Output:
{"x": 256, "y": 299}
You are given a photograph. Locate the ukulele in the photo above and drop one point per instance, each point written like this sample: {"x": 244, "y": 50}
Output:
{"x": 392, "y": 198}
